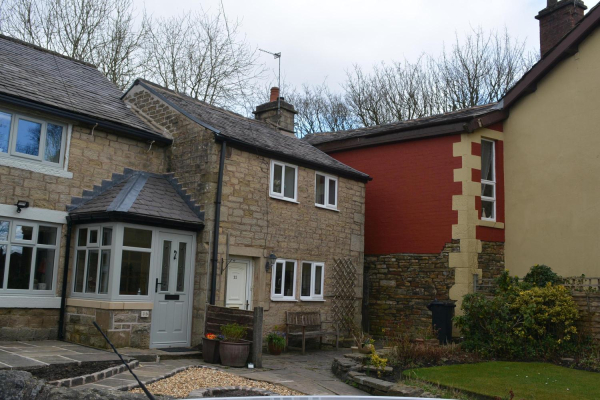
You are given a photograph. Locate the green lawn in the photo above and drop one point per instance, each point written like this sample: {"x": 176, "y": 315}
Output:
{"x": 527, "y": 380}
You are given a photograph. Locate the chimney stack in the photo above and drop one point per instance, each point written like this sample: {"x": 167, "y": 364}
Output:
{"x": 556, "y": 20}
{"x": 278, "y": 113}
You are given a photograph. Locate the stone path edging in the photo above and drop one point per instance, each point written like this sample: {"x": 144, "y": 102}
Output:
{"x": 210, "y": 392}
{"x": 95, "y": 377}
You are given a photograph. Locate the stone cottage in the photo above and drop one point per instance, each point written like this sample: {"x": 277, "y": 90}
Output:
{"x": 457, "y": 197}
{"x": 109, "y": 204}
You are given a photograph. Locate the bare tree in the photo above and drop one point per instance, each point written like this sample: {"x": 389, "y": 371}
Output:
{"x": 202, "y": 56}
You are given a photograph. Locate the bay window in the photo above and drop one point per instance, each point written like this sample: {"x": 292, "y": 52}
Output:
{"x": 93, "y": 259}
{"x": 326, "y": 189}
{"x": 283, "y": 181}
{"x": 28, "y": 257}
{"x": 488, "y": 180}
{"x": 283, "y": 284}
{"x": 312, "y": 281}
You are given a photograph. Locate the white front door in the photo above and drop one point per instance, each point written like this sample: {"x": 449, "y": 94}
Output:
{"x": 173, "y": 290}
{"x": 239, "y": 284}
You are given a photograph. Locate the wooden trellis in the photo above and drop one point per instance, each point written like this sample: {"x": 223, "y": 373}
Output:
{"x": 344, "y": 293}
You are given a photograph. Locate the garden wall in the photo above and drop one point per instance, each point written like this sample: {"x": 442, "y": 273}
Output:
{"x": 589, "y": 307}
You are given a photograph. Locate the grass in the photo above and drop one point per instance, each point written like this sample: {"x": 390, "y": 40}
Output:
{"x": 530, "y": 381}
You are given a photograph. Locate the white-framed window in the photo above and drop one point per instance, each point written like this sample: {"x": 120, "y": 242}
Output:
{"x": 93, "y": 256}
{"x": 33, "y": 139}
{"x": 283, "y": 181}
{"x": 135, "y": 262}
{"x": 488, "y": 180}
{"x": 326, "y": 191}
{"x": 312, "y": 279}
{"x": 28, "y": 257}
{"x": 283, "y": 282}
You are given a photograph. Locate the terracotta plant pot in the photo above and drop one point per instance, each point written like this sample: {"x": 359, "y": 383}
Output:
{"x": 274, "y": 350}
{"x": 210, "y": 351}
{"x": 234, "y": 354}
{"x": 365, "y": 348}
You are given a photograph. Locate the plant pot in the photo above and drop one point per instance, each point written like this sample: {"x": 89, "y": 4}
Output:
{"x": 210, "y": 351}
{"x": 274, "y": 350}
{"x": 365, "y": 349}
{"x": 234, "y": 354}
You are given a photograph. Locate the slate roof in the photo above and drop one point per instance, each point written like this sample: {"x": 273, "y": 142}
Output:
{"x": 35, "y": 74}
{"x": 259, "y": 136}
{"x": 138, "y": 195}
{"x": 440, "y": 119}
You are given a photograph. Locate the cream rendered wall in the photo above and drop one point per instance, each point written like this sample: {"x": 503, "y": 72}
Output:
{"x": 552, "y": 170}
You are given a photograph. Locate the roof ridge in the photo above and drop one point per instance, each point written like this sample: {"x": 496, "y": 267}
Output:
{"x": 45, "y": 50}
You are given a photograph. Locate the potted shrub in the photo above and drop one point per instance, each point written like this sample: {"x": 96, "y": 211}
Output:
{"x": 210, "y": 348}
{"x": 364, "y": 343}
{"x": 234, "y": 350}
{"x": 275, "y": 342}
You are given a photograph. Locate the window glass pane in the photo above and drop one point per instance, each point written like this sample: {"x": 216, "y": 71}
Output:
{"x": 332, "y": 192}
{"x": 288, "y": 287}
{"x": 318, "y": 279}
{"x": 5, "y": 120}
{"x": 93, "y": 236}
{"x": 3, "y": 250}
{"x": 4, "y": 225}
{"x": 487, "y": 160}
{"x": 320, "y": 190}
{"x": 92, "y": 271}
{"x": 53, "y": 143}
{"x": 277, "y": 177}
{"x": 106, "y": 236}
{"x": 166, "y": 265}
{"x": 24, "y": 232}
{"x": 278, "y": 277}
{"x": 104, "y": 271}
{"x": 306, "y": 271}
{"x": 19, "y": 268}
{"x": 47, "y": 235}
{"x": 137, "y": 238}
{"x": 79, "y": 270}
{"x": 44, "y": 269}
{"x": 181, "y": 267}
{"x": 289, "y": 184}
{"x": 487, "y": 190}
{"x": 487, "y": 209}
{"x": 28, "y": 137}
{"x": 82, "y": 240}
{"x": 135, "y": 268}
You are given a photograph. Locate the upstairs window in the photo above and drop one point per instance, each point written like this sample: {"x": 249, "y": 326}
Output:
{"x": 326, "y": 191}
{"x": 283, "y": 284}
{"x": 488, "y": 180}
{"x": 32, "y": 139}
{"x": 284, "y": 181}
{"x": 312, "y": 281}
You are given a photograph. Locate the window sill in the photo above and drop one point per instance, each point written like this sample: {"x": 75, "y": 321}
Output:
{"x": 326, "y": 208}
{"x": 314, "y": 300}
{"x": 35, "y": 167}
{"x": 290, "y": 299}
{"x": 490, "y": 224}
{"x": 29, "y": 301}
{"x": 284, "y": 199}
{"x": 109, "y": 305}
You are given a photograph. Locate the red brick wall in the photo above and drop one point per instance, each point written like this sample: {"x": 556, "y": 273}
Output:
{"x": 409, "y": 200}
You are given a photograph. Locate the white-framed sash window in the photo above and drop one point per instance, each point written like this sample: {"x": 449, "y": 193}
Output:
{"x": 326, "y": 191}
{"x": 283, "y": 181}
{"x": 312, "y": 279}
{"x": 488, "y": 180}
{"x": 283, "y": 282}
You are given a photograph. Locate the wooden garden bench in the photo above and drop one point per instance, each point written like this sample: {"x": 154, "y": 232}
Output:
{"x": 307, "y": 324}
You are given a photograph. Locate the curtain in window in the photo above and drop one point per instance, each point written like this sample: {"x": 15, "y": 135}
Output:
{"x": 486, "y": 161}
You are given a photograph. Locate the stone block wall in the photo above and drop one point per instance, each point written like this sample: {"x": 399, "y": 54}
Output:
{"x": 589, "y": 308}
{"x": 400, "y": 286}
{"x": 491, "y": 259}
{"x": 124, "y": 328}
{"x": 28, "y": 324}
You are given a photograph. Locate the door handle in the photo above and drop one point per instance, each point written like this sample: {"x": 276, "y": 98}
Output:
{"x": 247, "y": 304}
{"x": 156, "y": 286}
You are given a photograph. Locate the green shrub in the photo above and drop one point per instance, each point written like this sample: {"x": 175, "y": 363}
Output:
{"x": 233, "y": 332}
{"x": 277, "y": 339}
{"x": 541, "y": 275}
{"x": 519, "y": 321}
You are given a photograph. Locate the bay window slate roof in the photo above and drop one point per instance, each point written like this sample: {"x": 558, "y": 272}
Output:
{"x": 37, "y": 75}
{"x": 138, "y": 196}
{"x": 256, "y": 135}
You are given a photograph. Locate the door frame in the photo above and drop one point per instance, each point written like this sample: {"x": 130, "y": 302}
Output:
{"x": 249, "y": 278}
{"x": 155, "y": 273}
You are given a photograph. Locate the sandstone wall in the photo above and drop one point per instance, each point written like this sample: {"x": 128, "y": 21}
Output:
{"x": 491, "y": 259}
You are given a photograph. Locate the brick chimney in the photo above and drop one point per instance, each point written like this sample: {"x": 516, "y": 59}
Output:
{"x": 556, "y": 20}
{"x": 282, "y": 120}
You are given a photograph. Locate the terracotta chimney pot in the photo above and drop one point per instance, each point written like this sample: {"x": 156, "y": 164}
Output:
{"x": 274, "y": 94}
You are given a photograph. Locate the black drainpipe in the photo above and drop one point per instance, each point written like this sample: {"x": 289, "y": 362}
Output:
{"x": 63, "y": 296}
{"x": 215, "y": 249}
